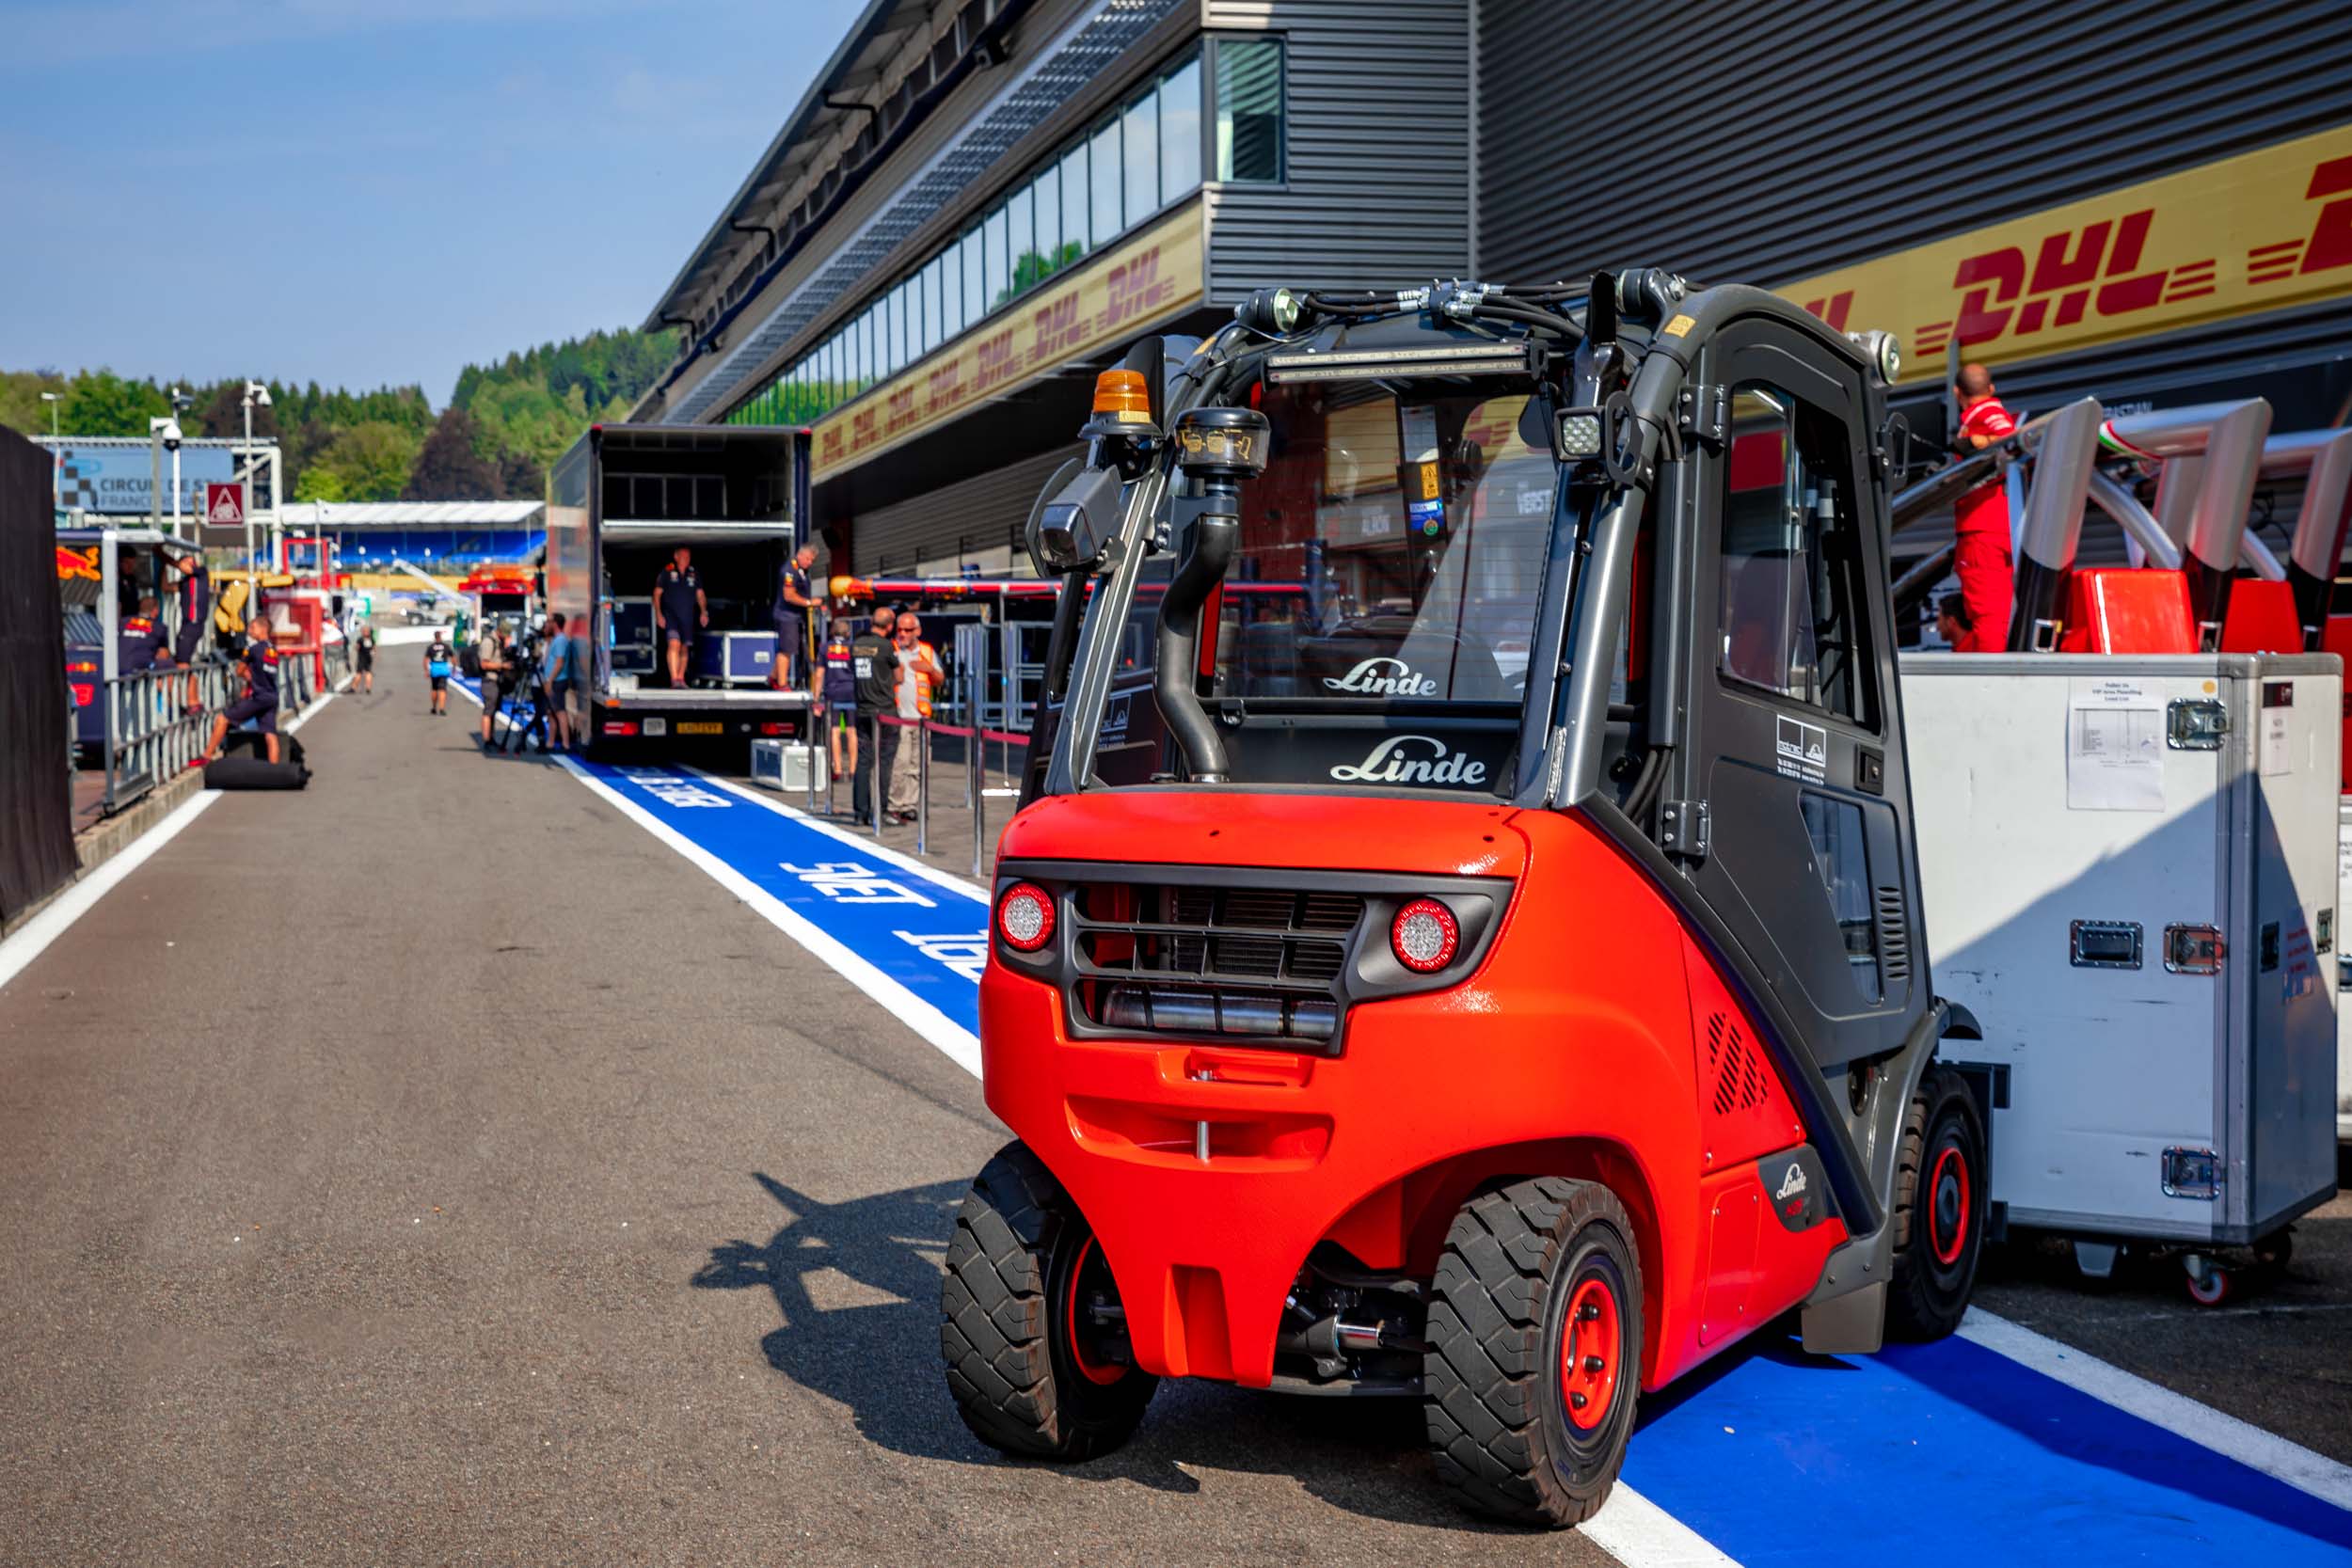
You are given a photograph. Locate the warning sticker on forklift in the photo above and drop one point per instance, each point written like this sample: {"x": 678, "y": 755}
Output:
{"x": 2114, "y": 747}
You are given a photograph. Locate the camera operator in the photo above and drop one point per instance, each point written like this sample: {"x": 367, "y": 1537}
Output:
{"x": 496, "y": 670}
{"x": 527, "y": 678}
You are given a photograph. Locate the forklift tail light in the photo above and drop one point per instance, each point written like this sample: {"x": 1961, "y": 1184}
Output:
{"x": 1025, "y": 917}
{"x": 1425, "y": 936}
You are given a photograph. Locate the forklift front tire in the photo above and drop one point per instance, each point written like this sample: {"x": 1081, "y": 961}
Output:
{"x": 1028, "y": 1321}
{"x": 1941, "y": 1189}
{"x": 1534, "y": 1360}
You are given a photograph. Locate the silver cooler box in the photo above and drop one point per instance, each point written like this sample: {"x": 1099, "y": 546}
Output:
{"x": 784, "y": 765}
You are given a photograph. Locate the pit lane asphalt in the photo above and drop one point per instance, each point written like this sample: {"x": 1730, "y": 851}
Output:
{"x": 432, "y": 1167}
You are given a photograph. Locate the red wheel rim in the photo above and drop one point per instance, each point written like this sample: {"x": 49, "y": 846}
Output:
{"x": 1590, "y": 1341}
{"x": 1088, "y": 1368}
{"x": 1947, "y": 1205}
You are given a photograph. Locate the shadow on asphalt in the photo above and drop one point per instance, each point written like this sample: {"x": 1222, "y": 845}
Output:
{"x": 857, "y": 1285}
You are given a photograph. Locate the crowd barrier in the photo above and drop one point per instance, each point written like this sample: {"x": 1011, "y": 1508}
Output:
{"x": 976, "y": 741}
{"x": 153, "y": 733}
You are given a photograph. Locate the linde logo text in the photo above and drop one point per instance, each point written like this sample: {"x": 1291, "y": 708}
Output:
{"x": 1383, "y": 677}
{"x": 1396, "y": 761}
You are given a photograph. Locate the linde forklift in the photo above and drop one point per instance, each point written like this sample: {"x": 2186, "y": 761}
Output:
{"x": 1530, "y": 1001}
{"x": 2129, "y": 831}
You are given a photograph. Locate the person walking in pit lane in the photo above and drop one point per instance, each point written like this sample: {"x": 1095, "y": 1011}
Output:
{"x": 363, "y": 660}
{"x": 260, "y": 702}
{"x": 440, "y": 662}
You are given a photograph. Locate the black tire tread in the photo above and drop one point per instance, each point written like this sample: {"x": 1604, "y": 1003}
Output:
{"x": 994, "y": 1318}
{"x": 1913, "y": 1311}
{"x": 1485, "y": 1375}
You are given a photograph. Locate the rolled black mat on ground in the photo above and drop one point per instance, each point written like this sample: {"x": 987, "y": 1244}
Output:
{"x": 244, "y": 764}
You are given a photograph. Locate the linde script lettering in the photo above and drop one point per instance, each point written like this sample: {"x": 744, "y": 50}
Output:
{"x": 1395, "y": 760}
{"x": 1383, "y": 677}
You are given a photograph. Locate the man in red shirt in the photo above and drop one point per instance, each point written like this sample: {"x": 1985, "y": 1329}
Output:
{"x": 1980, "y": 520}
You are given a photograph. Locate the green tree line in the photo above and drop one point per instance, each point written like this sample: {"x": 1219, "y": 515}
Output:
{"x": 505, "y": 424}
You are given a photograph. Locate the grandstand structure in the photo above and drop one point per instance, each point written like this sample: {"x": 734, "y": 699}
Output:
{"x": 446, "y": 537}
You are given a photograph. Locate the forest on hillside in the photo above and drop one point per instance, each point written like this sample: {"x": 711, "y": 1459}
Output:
{"x": 505, "y": 422}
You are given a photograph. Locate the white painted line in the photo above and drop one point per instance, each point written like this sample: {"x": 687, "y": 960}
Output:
{"x": 1639, "y": 1533}
{"x": 2249, "y": 1444}
{"x": 36, "y": 934}
{"x": 69, "y": 906}
{"x": 864, "y": 842}
{"x": 957, "y": 1043}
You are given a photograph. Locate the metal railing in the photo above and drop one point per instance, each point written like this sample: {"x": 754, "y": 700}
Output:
{"x": 151, "y": 732}
{"x": 921, "y": 731}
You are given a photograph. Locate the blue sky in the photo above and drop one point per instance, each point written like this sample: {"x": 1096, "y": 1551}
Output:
{"x": 369, "y": 193}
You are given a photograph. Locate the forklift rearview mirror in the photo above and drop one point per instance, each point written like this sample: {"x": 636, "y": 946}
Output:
{"x": 1072, "y": 532}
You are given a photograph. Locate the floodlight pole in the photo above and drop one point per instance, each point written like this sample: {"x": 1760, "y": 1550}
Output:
{"x": 57, "y": 460}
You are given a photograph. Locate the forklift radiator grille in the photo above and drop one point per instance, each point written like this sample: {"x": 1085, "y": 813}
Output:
{"x": 1739, "y": 1082}
{"x": 1193, "y": 959}
{"x": 1894, "y": 936}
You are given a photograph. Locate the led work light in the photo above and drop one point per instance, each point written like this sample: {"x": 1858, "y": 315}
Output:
{"x": 1403, "y": 364}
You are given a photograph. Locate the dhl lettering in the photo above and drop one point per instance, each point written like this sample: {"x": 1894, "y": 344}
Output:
{"x": 2330, "y": 243}
{"x": 1134, "y": 288}
{"x": 1998, "y": 296}
{"x": 944, "y": 388}
{"x": 901, "y": 409}
{"x": 1834, "y": 310}
{"x": 998, "y": 361}
{"x": 1055, "y": 330}
{"x": 1157, "y": 273}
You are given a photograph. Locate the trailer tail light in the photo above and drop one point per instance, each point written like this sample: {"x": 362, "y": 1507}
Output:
{"x": 1424, "y": 936}
{"x": 620, "y": 726}
{"x": 1024, "y": 917}
{"x": 773, "y": 727}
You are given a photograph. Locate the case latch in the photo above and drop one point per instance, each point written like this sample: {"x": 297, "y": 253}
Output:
{"x": 2195, "y": 725}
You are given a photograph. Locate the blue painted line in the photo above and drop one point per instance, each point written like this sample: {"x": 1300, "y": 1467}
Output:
{"x": 1951, "y": 1453}
{"x": 928, "y": 937}
{"x": 1947, "y": 1452}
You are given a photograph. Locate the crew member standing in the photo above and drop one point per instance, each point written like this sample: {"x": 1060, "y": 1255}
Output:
{"x": 874, "y": 661}
{"x": 1981, "y": 551}
{"x": 678, "y": 609}
{"x": 794, "y": 605}
{"x": 841, "y": 699}
{"x": 260, "y": 703}
{"x": 195, "y": 594}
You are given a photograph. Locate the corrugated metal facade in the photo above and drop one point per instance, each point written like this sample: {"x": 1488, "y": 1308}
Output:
{"x": 986, "y": 509}
{"x": 1765, "y": 143}
{"x": 1377, "y": 188}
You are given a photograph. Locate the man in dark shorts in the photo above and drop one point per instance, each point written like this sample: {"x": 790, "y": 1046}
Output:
{"x": 440, "y": 662}
{"x": 260, "y": 702}
{"x": 565, "y": 676}
{"x": 794, "y": 604}
{"x": 841, "y": 699}
{"x": 874, "y": 663}
{"x": 496, "y": 681}
{"x": 194, "y": 592}
{"x": 363, "y": 660}
{"x": 678, "y": 609}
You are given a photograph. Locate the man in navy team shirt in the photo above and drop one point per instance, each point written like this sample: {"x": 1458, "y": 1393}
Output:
{"x": 678, "y": 609}
{"x": 260, "y": 702}
{"x": 195, "y": 594}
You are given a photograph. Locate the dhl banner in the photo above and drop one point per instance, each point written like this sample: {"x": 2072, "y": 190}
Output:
{"x": 2253, "y": 232}
{"x": 1104, "y": 302}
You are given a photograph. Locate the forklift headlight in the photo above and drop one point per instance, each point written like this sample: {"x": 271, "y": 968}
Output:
{"x": 1024, "y": 917}
{"x": 1578, "y": 434}
{"x": 1885, "y": 351}
{"x": 1424, "y": 936}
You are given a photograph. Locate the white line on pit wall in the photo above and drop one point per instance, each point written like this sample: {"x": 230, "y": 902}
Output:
{"x": 34, "y": 937}
{"x": 2250, "y": 1445}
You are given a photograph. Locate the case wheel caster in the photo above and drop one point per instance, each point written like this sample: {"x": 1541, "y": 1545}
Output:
{"x": 1534, "y": 1359}
{"x": 2276, "y": 1252}
{"x": 2209, "y": 1283}
{"x": 1026, "y": 1313}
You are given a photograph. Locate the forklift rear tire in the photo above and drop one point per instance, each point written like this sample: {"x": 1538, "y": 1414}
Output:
{"x": 1941, "y": 1189}
{"x": 1024, "y": 1353}
{"x": 1535, "y": 1361}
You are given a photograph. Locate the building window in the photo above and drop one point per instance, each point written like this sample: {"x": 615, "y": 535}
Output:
{"x": 1044, "y": 257}
{"x": 1074, "y": 204}
{"x": 1021, "y": 242}
{"x": 975, "y": 284}
{"x": 1249, "y": 110}
{"x": 1140, "y": 131}
{"x": 1180, "y": 131}
{"x": 1102, "y": 154}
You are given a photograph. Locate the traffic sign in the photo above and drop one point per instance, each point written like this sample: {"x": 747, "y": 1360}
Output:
{"x": 224, "y": 505}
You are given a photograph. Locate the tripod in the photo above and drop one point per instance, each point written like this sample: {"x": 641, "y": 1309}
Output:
{"x": 528, "y": 717}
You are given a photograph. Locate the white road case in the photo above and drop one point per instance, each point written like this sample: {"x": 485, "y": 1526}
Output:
{"x": 2343, "y": 980}
{"x": 2129, "y": 866}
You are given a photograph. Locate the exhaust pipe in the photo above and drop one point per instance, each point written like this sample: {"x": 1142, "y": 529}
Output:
{"x": 2212, "y": 455}
{"x": 1208, "y": 551}
{"x": 2324, "y": 459}
{"x": 2064, "y": 452}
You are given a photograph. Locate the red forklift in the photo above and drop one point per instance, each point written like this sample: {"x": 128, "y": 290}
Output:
{"x": 1516, "y": 994}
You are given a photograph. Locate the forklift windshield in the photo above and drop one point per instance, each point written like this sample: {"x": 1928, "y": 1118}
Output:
{"x": 1351, "y": 584}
